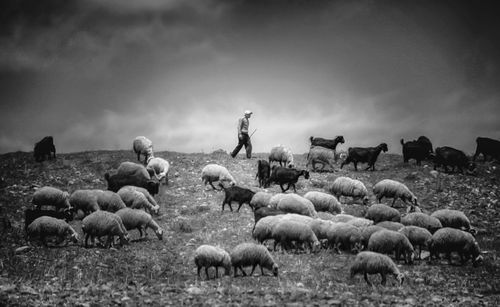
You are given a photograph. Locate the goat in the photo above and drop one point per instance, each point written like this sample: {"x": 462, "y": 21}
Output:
{"x": 44, "y": 148}
{"x": 364, "y": 155}
{"x": 263, "y": 173}
{"x": 327, "y": 143}
{"x": 488, "y": 147}
{"x": 290, "y": 176}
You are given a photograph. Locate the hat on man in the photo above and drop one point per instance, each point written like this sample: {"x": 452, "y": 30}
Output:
{"x": 247, "y": 112}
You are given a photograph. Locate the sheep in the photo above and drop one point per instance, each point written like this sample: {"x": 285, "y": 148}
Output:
{"x": 345, "y": 186}
{"x": 32, "y": 214}
{"x": 263, "y": 228}
{"x": 418, "y": 236}
{"x": 367, "y": 231}
{"x": 324, "y": 202}
{"x": 293, "y": 203}
{"x": 364, "y": 155}
{"x": 286, "y": 232}
{"x": 129, "y": 173}
{"x": 380, "y": 212}
{"x": 263, "y": 173}
{"x": 338, "y": 218}
{"x": 388, "y": 242}
{"x": 143, "y": 146}
{"x": 448, "y": 240}
{"x": 421, "y": 220}
{"x": 215, "y": 172}
{"x": 321, "y": 155}
{"x": 454, "y": 219}
{"x": 138, "y": 198}
{"x": 237, "y": 194}
{"x": 109, "y": 201}
{"x": 346, "y": 236}
{"x": 158, "y": 167}
{"x": 275, "y": 199}
{"x": 281, "y": 154}
{"x": 263, "y": 212}
{"x": 490, "y": 148}
{"x": 246, "y": 254}
{"x": 448, "y": 156}
{"x": 102, "y": 223}
{"x": 51, "y": 197}
{"x": 360, "y": 222}
{"x": 46, "y": 226}
{"x": 289, "y": 176}
{"x": 394, "y": 189}
{"x": 138, "y": 219}
{"x": 209, "y": 255}
{"x": 85, "y": 200}
{"x": 327, "y": 216}
{"x": 368, "y": 262}
{"x": 390, "y": 225}
{"x": 44, "y": 149}
{"x": 327, "y": 143}
{"x": 260, "y": 199}
{"x": 419, "y": 150}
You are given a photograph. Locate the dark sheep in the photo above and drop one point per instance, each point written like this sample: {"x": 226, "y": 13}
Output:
{"x": 419, "y": 150}
{"x": 237, "y": 194}
{"x": 45, "y": 149}
{"x": 364, "y": 155}
{"x": 263, "y": 173}
{"x": 132, "y": 174}
{"x": 490, "y": 148}
{"x": 263, "y": 212}
{"x": 32, "y": 214}
{"x": 327, "y": 143}
{"x": 282, "y": 175}
{"x": 449, "y": 156}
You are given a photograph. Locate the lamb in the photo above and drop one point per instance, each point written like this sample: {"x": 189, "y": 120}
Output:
{"x": 394, "y": 189}
{"x": 281, "y": 154}
{"x": 321, "y": 155}
{"x": 388, "y": 242}
{"x": 490, "y": 148}
{"x": 138, "y": 198}
{"x": 454, "y": 219}
{"x": 286, "y": 232}
{"x": 44, "y": 149}
{"x": 102, "y": 223}
{"x": 394, "y": 226}
{"x": 143, "y": 146}
{"x": 421, "y": 220}
{"x": 85, "y": 200}
{"x": 345, "y": 186}
{"x": 129, "y": 173}
{"x": 263, "y": 212}
{"x": 138, "y": 219}
{"x": 246, "y": 254}
{"x": 263, "y": 173}
{"x": 32, "y": 214}
{"x": 364, "y": 155}
{"x": 448, "y": 156}
{"x": 367, "y": 231}
{"x": 51, "y": 197}
{"x": 263, "y": 228}
{"x": 418, "y": 236}
{"x": 260, "y": 199}
{"x": 289, "y": 176}
{"x": 419, "y": 150}
{"x": 448, "y": 240}
{"x": 237, "y": 194}
{"x": 159, "y": 167}
{"x": 46, "y": 226}
{"x": 293, "y": 203}
{"x": 327, "y": 143}
{"x": 324, "y": 202}
{"x": 209, "y": 255}
{"x": 215, "y": 172}
{"x": 374, "y": 263}
{"x": 380, "y": 212}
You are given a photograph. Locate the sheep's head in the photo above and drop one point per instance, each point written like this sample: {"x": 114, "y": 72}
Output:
{"x": 275, "y": 269}
{"x": 159, "y": 234}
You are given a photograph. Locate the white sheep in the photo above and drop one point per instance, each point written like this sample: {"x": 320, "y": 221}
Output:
{"x": 138, "y": 198}
{"x": 46, "y": 226}
{"x": 85, "y": 200}
{"x": 321, "y": 155}
{"x": 275, "y": 199}
{"x": 281, "y": 154}
{"x": 324, "y": 202}
{"x": 394, "y": 226}
{"x": 143, "y": 146}
{"x": 140, "y": 220}
{"x": 159, "y": 167}
{"x": 214, "y": 172}
{"x": 345, "y": 186}
{"x": 448, "y": 240}
{"x": 338, "y": 218}
{"x": 286, "y": 232}
{"x": 102, "y": 223}
{"x": 260, "y": 199}
{"x": 368, "y": 262}
{"x": 51, "y": 197}
{"x": 345, "y": 236}
{"x": 293, "y": 203}
{"x": 327, "y": 216}
{"x": 109, "y": 201}
{"x": 209, "y": 255}
{"x": 388, "y": 242}
{"x": 360, "y": 222}
{"x": 394, "y": 189}
{"x": 418, "y": 236}
{"x": 263, "y": 229}
{"x": 367, "y": 231}
{"x": 454, "y": 219}
{"x": 421, "y": 220}
{"x": 246, "y": 254}
{"x": 380, "y": 212}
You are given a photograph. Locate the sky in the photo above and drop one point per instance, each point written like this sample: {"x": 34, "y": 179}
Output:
{"x": 95, "y": 74}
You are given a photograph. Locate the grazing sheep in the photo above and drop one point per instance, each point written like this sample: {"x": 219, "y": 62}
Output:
{"x": 327, "y": 143}
{"x": 454, "y": 219}
{"x": 109, "y": 201}
{"x": 215, "y": 172}
{"x": 129, "y": 173}
{"x": 388, "y": 242}
{"x": 364, "y": 155}
{"x": 263, "y": 212}
{"x": 360, "y": 222}
{"x": 367, "y": 231}
{"x": 448, "y": 156}
{"x": 246, "y": 254}
{"x": 293, "y": 203}
{"x": 374, "y": 263}
{"x": 138, "y": 219}
{"x": 159, "y": 167}
{"x": 419, "y": 150}
{"x": 46, "y": 226}
{"x": 490, "y": 148}
{"x": 85, "y": 200}
{"x": 345, "y": 236}
{"x": 275, "y": 199}
{"x": 390, "y": 225}
{"x": 324, "y": 202}
{"x": 380, "y": 212}
{"x": 138, "y": 198}
{"x": 209, "y": 255}
{"x": 286, "y": 232}
{"x": 345, "y": 186}
{"x": 421, "y": 220}
{"x": 263, "y": 173}
{"x": 327, "y": 216}
{"x": 290, "y": 176}
{"x": 418, "y": 236}
{"x": 51, "y": 197}
{"x": 260, "y": 199}
{"x": 102, "y": 223}
{"x": 32, "y": 214}
{"x": 263, "y": 229}
{"x": 448, "y": 240}
{"x": 281, "y": 154}
{"x": 44, "y": 149}
{"x": 321, "y": 155}
{"x": 237, "y": 194}
{"x": 394, "y": 189}
{"x": 143, "y": 146}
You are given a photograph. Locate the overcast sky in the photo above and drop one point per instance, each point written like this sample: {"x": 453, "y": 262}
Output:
{"x": 95, "y": 74}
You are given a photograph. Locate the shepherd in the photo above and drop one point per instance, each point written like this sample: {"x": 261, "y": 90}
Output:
{"x": 243, "y": 136}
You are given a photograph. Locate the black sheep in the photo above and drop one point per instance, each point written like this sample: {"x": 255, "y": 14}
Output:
{"x": 419, "y": 150}
{"x": 263, "y": 173}
{"x": 449, "y": 156}
{"x": 117, "y": 181}
{"x": 32, "y": 214}
{"x": 283, "y": 175}
{"x": 364, "y": 155}
{"x": 45, "y": 148}
{"x": 490, "y": 148}
{"x": 327, "y": 143}
{"x": 237, "y": 194}
{"x": 262, "y": 212}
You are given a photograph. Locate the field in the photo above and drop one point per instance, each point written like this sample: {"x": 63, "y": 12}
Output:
{"x": 153, "y": 272}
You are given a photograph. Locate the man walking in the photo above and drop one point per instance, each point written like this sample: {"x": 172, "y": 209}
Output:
{"x": 243, "y": 137}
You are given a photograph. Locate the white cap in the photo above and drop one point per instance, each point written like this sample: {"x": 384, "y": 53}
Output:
{"x": 248, "y": 112}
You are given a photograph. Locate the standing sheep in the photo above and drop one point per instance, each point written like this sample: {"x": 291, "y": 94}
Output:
{"x": 345, "y": 236}
{"x": 109, "y": 201}
{"x": 281, "y": 154}
{"x": 287, "y": 231}
{"x": 421, "y": 220}
{"x": 380, "y": 212}
{"x": 262, "y": 212}
{"x": 321, "y": 155}
{"x": 159, "y": 167}
{"x": 138, "y": 219}
{"x": 214, "y": 172}
{"x": 246, "y": 254}
{"x": 388, "y": 242}
{"x": 448, "y": 240}
{"x": 374, "y": 263}
{"x": 345, "y": 186}
{"x": 32, "y": 214}
{"x": 263, "y": 229}
{"x": 208, "y": 255}
{"x": 418, "y": 236}
{"x": 293, "y": 203}
{"x": 366, "y": 233}
{"x": 237, "y": 194}
{"x": 394, "y": 189}
{"x": 103, "y": 223}
{"x": 324, "y": 202}
{"x": 51, "y": 197}
{"x": 143, "y": 146}
{"x": 454, "y": 219}
{"x": 46, "y": 226}
{"x": 85, "y": 200}
{"x": 260, "y": 199}
{"x": 138, "y": 198}
{"x": 364, "y": 155}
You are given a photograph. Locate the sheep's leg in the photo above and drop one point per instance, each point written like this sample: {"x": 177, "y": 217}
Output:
{"x": 206, "y": 272}
{"x": 367, "y": 281}
{"x": 384, "y": 279}
{"x": 139, "y": 156}
{"x": 355, "y": 166}
{"x": 140, "y": 231}
{"x": 87, "y": 236}
{"x": 210, "y": 182}
{"x": 243, "y": 271}
{"x": 262, "y": 270}
{"x": 199, "y": 269}
{"x": 216, "y": 272}
{"x": 253, "y": 269}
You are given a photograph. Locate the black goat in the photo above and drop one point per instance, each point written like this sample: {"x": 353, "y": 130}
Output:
{"x": 237, "y": 194}
{"x": 32, "y": 214}
{"x": 263, "y": 173}
{"x": 263, "y": 212}
{"x": 290, "y": 176}
{"x": 327, "y": 143}
{"x": 364, "y": 155}
{"x": 419, "y": 150}
{"x": 449, "y": 156}
{"x": 44, "y": 149}
{"x": 490, "y": 148}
